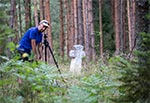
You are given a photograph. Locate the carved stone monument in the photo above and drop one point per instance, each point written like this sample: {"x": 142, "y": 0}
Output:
{"x": 76, "y": 62}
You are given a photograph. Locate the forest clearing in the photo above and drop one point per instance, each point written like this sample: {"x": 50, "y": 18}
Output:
{"x": 75, "y": 51}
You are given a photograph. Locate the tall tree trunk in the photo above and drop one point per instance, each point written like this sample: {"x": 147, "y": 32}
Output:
{"x": 48, "y": 31}
{"x": 68, "y": 26}
{"x": 48, "y": 18}
{"x": 80, "y": 23}
{"x": 72, "y": 26}
{"x": 20, "y": 19}
{"x": 131, "y": 24}
{"x": 35, "y": 13}
{"x": 42, "y": 9}
{"x": 75, "y": 21}
{"x": 91, "y": 25}
{"x": 27, "y": 14}
{"x": 121, "y": 23}
{"x": 117, "y": 36}
{"x": 124, "y": 26}
{"x": 11, "y": 23}
{"x": 86, "y": 29}
{"x": 61, "y": 36}
{"x": 12, "y": 13}
{"x": 101, "y": 29}
{"x": 13, "y": 19}
{"x": 143, "y": 9}
{"x": 113, "y": 12}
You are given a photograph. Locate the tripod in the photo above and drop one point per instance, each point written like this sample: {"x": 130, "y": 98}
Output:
{"x": 46, "y": 44}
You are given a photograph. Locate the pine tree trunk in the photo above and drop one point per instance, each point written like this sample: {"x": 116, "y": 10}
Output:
{"x": 101, "y": 29}
{"x": 113, "y": 12}
{"x": 143, "y": 9}
{"x": 75, "y": 21}
{"x": 124, "y": 26}
{"x": 91, "y": 27}
{"x": 12, "y": 13}
{"x": 35, "y": 13}
{"x": 61, "y": 37}
{"x": 86, "y": 29}
{"x": 117, "y": 36}
{"x": 20, "y": 19}
{"x": 48, "y": 18}
{"x": 72, "y": 28}
{"x": 27, "y": 14}
{"x": 68, "y": 21}
{"x": 80, "y": 23}
{"x": 13, "y": 19}
{"x": 48, "y": 31}
{"x": 131, "y": 25}
{"x": 42, "y": 8}
{"x": 11, "y": 23}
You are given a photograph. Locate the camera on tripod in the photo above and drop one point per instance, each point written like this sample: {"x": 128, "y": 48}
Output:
{"x": 45, "y": 35}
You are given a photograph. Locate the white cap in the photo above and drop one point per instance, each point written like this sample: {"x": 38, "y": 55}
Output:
{"x": 44, "y": 22}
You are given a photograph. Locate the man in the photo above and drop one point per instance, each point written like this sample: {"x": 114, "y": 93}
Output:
{"x": 31, "y": 40}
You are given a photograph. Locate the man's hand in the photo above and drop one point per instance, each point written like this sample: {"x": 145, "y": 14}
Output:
{"x": 36, "y": 57}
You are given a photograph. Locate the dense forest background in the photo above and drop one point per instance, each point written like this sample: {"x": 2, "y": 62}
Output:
{"x": 116, "y": 39}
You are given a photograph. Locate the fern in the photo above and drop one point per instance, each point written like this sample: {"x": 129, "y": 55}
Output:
{"x": 135, "y": 74}
{"x": 40, "y": 82}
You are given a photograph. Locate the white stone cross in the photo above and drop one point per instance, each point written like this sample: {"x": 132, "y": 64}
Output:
{"x": 76, "y": 63}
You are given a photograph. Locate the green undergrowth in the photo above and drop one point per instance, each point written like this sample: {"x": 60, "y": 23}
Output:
{"x": 42, "y": 83}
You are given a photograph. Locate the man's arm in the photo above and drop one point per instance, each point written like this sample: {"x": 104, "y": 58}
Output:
{"x": 40, "y": 50}
{"x": 33, "y": 44}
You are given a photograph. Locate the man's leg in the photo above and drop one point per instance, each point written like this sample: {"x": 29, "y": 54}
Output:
{"x": 23, "y": 55}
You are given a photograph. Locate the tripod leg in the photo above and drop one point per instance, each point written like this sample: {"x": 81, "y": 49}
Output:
{"x": 53, "y": 56}
{"x": 45, "y": 53}
{"x": 56, "y": 63}
{"x": 47, "y": 45}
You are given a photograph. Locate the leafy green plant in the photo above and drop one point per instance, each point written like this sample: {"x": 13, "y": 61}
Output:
{"x": 95, "y": 87}
{"x": 39, "y": 82}
{"x": 135, "y": 74}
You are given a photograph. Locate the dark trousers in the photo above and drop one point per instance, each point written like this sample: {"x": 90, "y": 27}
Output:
{"x": 23, "y": 54}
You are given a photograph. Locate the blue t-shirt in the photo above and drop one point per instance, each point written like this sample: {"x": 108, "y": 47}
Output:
{"x": 25, "y": 42}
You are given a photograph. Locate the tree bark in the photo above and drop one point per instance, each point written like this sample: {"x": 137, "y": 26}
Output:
{"x": 124, "y": 26}
{"x": 117, "y": 36}
{"x": 42, "y": 9}
{"x": 11, "y": 23}
{"x": 35, "y": 13}
{"x": 80, "y": 23}
{"x": 49, "y": 31}
{"x": 86, "y": 29}
{"x": 101, "y": 29}
{"x": 12, "y": 13}
{"x": 61, "y": 36}
{"x": 72, "y": 26}
{"x": 91, "y": 27}
{"x": 131, "y": 25}
{"x": 27, "y": 14}
{"x": 69, "y": 38}
{"x": 20, "y": 19}
{"x": 75, "y": 22}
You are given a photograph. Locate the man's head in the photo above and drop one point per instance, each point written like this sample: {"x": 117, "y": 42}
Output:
{"x": 43, "y": 25}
